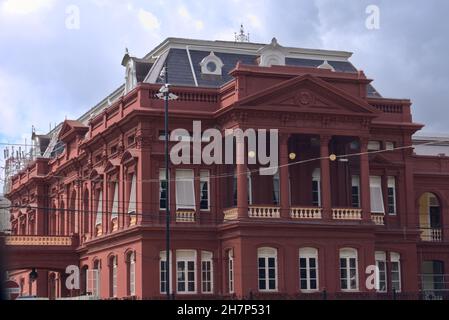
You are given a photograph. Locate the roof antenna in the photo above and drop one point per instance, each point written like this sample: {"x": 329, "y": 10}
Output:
{"x": 241, "y": 37}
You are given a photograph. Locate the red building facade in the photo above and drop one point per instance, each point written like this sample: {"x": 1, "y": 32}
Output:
{"x": 349, "y": 193}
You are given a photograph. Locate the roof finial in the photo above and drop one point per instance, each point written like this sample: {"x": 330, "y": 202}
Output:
{"x": 241, "y": 37}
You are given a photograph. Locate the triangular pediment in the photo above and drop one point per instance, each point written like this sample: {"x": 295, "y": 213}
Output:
{"x": 71, "y": 126}
{"x": 308, "y": 93}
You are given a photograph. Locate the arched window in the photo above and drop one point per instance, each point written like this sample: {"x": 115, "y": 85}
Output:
{"x": 267, "y": 269}
{"x": 349, "y": 276}
{"x": 72, "y": 215}
{"x": 430, "y": 217}
{"x": 132, "y": 274}
{"x": 113, "y": 266}
{"x": 93, "y": 279}
{"x": 308, "y": 269}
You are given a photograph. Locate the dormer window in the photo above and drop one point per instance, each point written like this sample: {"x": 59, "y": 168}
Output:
{"x": 272, "y": 54}
{"x": 212, "y": 65}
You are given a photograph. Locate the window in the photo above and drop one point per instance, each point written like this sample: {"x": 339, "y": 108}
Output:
{"x": 267, "y": 267}
{"x": 114, "y": 210}
{"x": 132, "y": 205}
{"x": 316, "y": 188}
{"x": 377, "y": 200}
{"x": 113, "y": 276}
{"x": 99, "y": 217}
{"x": 206, "y": 272}
{"x": 395, "y": 259}
{"x": 205, "y": 190}
{"x": 381, "y": 272}
{"x": 355, "y": 193}
{"x": 162, "y": 190}
{"x": 276, "y": 199}
{"x": 348, "y": 270}
{"x": 308, "y": 269}
{"x": 211, "y": 65}
{"x": 373, "y": 146}
{"x": 93, "y": 279}
{"x": 185, "y": 191}
{"x": 132, "y": 274}
{"x": 163, "y": 272}
{"x": 185, "y": 270}
{"x": 391, "y": 196}
{"x": 231, "y": 271}
{"x": 389, "y": 145}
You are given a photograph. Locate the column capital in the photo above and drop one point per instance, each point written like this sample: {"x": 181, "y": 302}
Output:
{"x": 364, "y": 141}
{"x": 325, "y": 138}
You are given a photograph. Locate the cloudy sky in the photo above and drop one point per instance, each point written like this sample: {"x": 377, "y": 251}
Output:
{"x": 51, "y": 67}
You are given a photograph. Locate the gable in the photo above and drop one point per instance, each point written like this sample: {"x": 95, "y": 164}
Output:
{"x": 309, "y": 94}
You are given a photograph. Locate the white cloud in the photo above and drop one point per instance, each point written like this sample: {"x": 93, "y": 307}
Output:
{"x": 24, "y": 7}
{"x": 188, "y": 20}
{"x": 148, "y": 20}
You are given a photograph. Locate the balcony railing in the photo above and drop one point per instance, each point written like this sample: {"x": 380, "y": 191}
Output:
{"x": 432, "y": 235}
{"x": 38, "y": 241}
{"x": 264, "y": 212}
{"x": 306, "y": 213}
{"x": 231, "y": 214}
{"x": 347, "y": 214}
{"x": 185, "y": 216}
{"x": 378, "y": 219}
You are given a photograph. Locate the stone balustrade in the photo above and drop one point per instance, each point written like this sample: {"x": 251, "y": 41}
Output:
{"x": 306, "y": 213}
{"x": 264, "y": 212}
{"x": 347, "y": 214}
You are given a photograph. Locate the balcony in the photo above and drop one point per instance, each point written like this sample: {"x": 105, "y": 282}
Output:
{"x": 432, "y": 235}
{"x": 306, "y": 213}
{"x": 347, "y": 214}
{"x": 38, "y": 241}
{"x": 378, "y": 219}
{"x": 185, "y": 216}
{"x": 264, "y": 212}
{"x": 231, "y": 214}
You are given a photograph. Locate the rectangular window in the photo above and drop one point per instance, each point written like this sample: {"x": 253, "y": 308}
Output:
{"x": 114, "y": 278}
{"x": 355, "y": 192}
{"x": 114, "y": 210}
{"x": 348, "y": 273}
{"x": 162, "y": 190}
{"x": 99, "y": 217}
{"x": 132, "y": 205}
{"x": 185, "y": 271}
{"x": 185, "y": 191}
{"x": 276, "y": 187}
{"x": 392, "y": 196}
{"x": 308, "y": 272}
{"x": 206, "y": 273}
{"x": 396, "y": 272}
{"x": 389, "y": 145}
{"x": 267, "y": 266}
{"x": 205, "y": 190}
{"x": 377, "y": 200}
{"x": 316, "y": 188}
{"x": 163, "y": 272}
{"x": 373, "y": 145}
{"x": 231, "y": 271}
{"x": 381, "y": 272}
{"x": 132, "y": 275}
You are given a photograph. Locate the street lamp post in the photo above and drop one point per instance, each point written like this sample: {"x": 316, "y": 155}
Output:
{"x": 164, "y": 93}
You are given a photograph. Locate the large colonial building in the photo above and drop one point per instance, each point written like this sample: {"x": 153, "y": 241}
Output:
{"x": 350, "y": 192}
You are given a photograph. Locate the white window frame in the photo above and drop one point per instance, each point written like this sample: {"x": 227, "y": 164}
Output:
{"x": 395, "y": 259}
{"x": 266, "y": 254}
{"x": 231, "y": 287}
{"x": 99, "y": 216}
{"x": 376, "y": 183}
{"x": 349, "y": 254}
{"x": 205, "y": 178}
{"x": 185, "y": 187}
{"x": 132, "y": 203}
{"x": 207, "y": 258}
{"x": 308, "y": 254}
{"x": 114, "y": 210}
{"x": 355, "y": 183}
{"x": 316, "y": 177}
{"x": 381, "y": 257}
{"x": 186, "y": 257}
{"x": 114, "y": 279}
{"x": 132, "y": 274}
{"x": 163, "y": 259}
{"x": 392, "y": 186}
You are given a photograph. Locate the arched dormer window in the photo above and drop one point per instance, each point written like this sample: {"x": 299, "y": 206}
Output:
{"x": 272, "y": 54}
{"x": 212, "y": 65}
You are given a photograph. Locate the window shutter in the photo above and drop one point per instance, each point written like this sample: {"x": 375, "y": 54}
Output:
{"x": 185, "y": 193}
{"x": 377, "y": 201}
{"x": 114, "y": 211}
{"x": 99, "y": 219}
